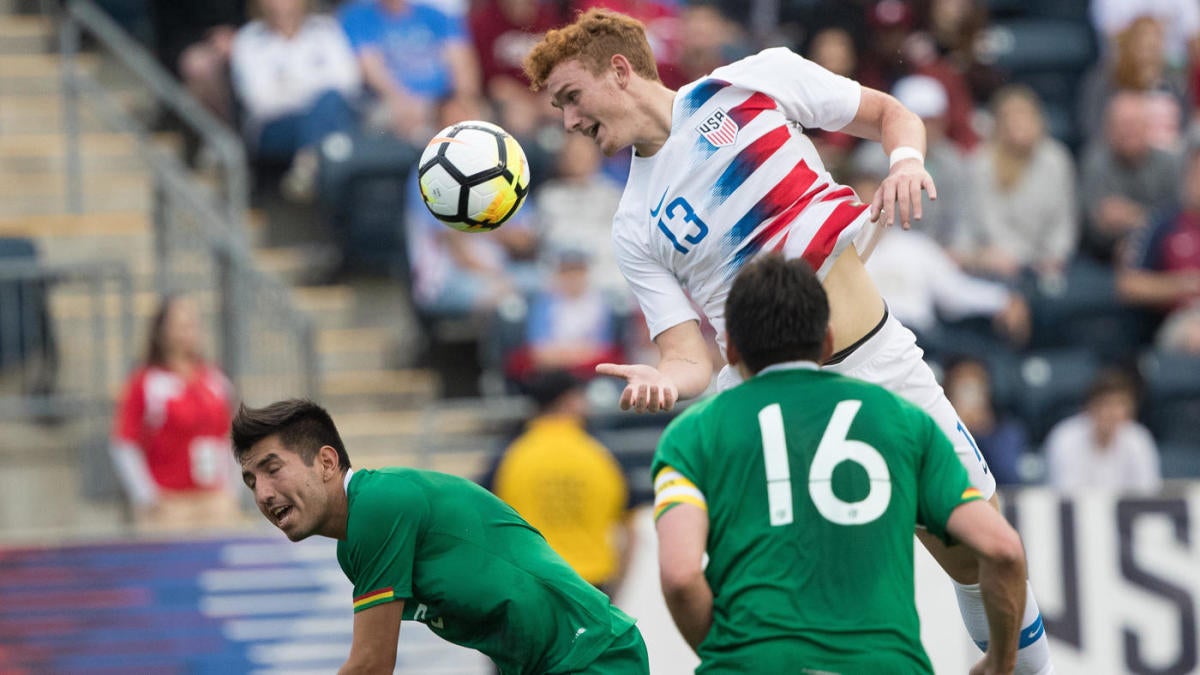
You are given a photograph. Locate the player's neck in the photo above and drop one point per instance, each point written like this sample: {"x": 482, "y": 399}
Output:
{"x": 656, "y": 106}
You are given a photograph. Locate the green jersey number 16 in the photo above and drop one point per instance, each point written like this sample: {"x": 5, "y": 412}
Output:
{"x": 833, "y": 449}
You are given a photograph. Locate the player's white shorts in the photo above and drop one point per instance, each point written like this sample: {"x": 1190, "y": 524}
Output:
{"x": 892, "y": 359}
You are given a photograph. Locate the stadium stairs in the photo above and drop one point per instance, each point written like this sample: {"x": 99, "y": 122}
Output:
{"x": 364, "y": 332}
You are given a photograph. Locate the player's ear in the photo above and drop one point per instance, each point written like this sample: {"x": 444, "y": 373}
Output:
{"x": 328, "y": 458}
{"x": 827, "y": 345}
{"x": 731, "y": 353}
{"x": 622, "y": 68}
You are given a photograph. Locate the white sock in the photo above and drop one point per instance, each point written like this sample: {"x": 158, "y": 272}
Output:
{"x": 1033, "y": 653}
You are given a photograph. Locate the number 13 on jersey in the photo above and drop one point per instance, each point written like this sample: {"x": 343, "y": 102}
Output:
{"x": 833, "y": 449}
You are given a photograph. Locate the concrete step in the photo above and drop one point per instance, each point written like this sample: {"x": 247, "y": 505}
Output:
{"x": 299, "y": 265}
{"x": 328, "y": 306}
{"x": 341, "y": 349}
{"x": 99, "y": 152}
{"x": 72, "y": 225}
{"x": 378, "y": 390}
{"x": 38, "y": 73}
{"x": 44, "y": 192}
{"x": 42, "y": 112}
{"x": 29, "y": 34}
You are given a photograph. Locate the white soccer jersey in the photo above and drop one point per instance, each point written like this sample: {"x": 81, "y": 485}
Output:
{"x": 736, "y": 177}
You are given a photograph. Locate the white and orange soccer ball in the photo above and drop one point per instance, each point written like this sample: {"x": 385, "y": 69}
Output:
{"x": 473, "y": 176}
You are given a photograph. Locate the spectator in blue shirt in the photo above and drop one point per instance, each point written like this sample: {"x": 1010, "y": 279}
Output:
{"x": 412, "y": 56}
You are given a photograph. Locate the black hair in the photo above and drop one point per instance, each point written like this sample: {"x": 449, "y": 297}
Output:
{"x": 303, "y": 427}
{"x": 776, "y": 312}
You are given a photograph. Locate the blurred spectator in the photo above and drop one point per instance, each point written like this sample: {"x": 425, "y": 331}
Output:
{"x": 194, "y": 41}
{"x": 920, "y": 282}
{"x": 1104, "y": 447}
{"x": 457, "y": 273}
{"x": 568, "y": 485}
{"x": 957, "y": 28}
{"x": 708, "y": 40}
{"x": 1123, "y": 179}
{"x": 1180, "y": 17}
{"x": 571, "y": 325}
{"x": 896, "y": 51}
{"x": 1180, "y": 333}
{"x": 412, "y": 56}
{"x": 662, "y": 30}
{"x": 576, "y": 210}
{"x": 945, "y": 218}
{"x": 503, "y": 32}
{"x": 170, "y": 442}
{"x": 1003, "y": 440}
{"x": 295, "y": 75}
{"x": 833, "y": 49}
{"x": 1138, "y": 63}
{"x": 1022, "y": 194}
{"x": 1160, "y": 267}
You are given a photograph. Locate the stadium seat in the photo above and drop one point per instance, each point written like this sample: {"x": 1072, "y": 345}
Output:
{"x": 1053, "y": 385}
{"x": 1171, "y": 401}
{"x": 1180, "y": 461}
{"x": 363, "y": 185}
{"x": 1048, "y": 54}
{"x": 26, "y": 332}
{"x": 1081, "y": 308}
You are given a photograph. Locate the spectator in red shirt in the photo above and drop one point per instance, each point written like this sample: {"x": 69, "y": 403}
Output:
{"x": 170, "y": 441}
{"x": 503, "y": 32}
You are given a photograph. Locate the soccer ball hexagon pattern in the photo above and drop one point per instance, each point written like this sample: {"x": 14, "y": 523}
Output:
{"x": 473, "y": 176}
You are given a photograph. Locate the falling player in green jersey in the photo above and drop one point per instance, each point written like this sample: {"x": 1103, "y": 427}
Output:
{"x": 804, "y": 486}
{"x": 425, "y": 546}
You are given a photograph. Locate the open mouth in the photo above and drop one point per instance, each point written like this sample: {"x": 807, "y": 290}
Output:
{"x": 280, "y": 514}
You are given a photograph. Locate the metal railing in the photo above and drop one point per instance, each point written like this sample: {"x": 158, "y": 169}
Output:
{"x": 200, "y": 234}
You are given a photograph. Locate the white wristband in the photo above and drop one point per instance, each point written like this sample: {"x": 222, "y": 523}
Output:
{"x": 905, "y": 152}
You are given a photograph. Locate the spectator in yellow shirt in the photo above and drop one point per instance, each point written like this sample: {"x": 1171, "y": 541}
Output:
{"x": 568, "y": 485}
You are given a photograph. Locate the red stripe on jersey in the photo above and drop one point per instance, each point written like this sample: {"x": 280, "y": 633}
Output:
{"x": 822, "y": 245}
{"x": 745, "y": 112}
{"x": 839, "y": 193}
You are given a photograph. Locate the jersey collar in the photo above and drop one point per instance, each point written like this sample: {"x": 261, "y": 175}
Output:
{"x": 788, "y": 365}
{"x": 346, "y": 480}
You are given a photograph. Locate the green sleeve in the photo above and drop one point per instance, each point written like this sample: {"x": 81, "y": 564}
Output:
{"x": 943, "y": 484}
{"x": 681, "y": 449}
{"x": 382, "y": 534}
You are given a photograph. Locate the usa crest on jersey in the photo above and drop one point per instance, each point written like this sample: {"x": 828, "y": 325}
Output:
{"x": 719, "y": 129}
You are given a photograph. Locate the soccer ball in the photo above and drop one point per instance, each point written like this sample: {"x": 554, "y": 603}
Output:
{"x": 473, "y": 176}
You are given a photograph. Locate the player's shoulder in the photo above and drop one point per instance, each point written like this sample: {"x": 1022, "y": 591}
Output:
{"x": 767, "y": 61}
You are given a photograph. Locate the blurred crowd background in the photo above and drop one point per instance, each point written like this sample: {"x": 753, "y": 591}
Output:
{"x": 210, "y": 202}
{"x": 1054, "y": 284}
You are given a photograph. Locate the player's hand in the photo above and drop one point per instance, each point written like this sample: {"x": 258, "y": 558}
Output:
{"x": 646, "y": 389}
{"x": 899, "y": 195}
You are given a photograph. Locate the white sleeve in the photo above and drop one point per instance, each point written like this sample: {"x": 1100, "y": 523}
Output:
{"x": 1146, "y": 470}
{"x": 345, "y": 75}
{"x": 130, "y": 464}
{"x": 806, "y": 92}
{"x": 658, "y": 292}
{"x": 254, "y": 80}
{"x": 956, "y": 293}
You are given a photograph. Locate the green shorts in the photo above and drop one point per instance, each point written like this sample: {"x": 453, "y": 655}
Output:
{"x": 625, "y": 656}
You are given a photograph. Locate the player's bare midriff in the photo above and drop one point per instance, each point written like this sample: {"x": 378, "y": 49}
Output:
{"x": 855, "y": 306}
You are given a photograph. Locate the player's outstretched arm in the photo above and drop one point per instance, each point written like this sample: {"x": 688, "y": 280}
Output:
{"x": 684, "y": 371}
{"x": 882, "y": 118}
{"x": 376, "y": 631}
{"x": 682, "y": 534}
{"x": 1001, "y": 579}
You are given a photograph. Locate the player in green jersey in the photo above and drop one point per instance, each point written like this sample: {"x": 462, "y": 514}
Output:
{"x": 804, "y": 486}
{"x": 430, "y": 547}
